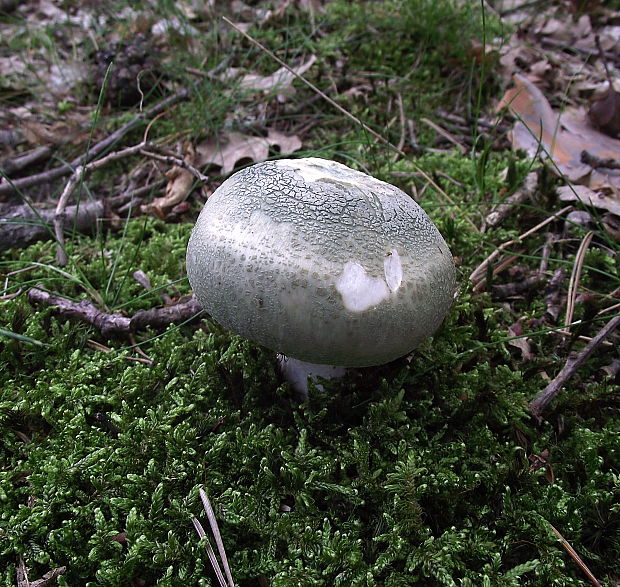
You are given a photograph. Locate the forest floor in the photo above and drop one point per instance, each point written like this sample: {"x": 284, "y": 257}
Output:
{"x": 489, "y": 456}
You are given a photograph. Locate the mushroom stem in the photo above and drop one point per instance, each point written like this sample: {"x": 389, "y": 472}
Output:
{"x": 299, "y": 373}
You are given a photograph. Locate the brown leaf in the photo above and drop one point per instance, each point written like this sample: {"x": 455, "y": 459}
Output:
{"x": 56, "y": 133}
{"x": 605, "y": 113}
{"x": 589, "y": 197}
{"x": 232, "y": 148}
{"x": 542, "y": 460}
{"x": 520, "y": 343}
{"x": 540, "y": 130}
{"x": 121, "y": 537}
{"x": 180, "y": 183}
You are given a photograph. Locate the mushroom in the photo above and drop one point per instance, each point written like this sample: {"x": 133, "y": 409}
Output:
{"x": 321, "y": 263}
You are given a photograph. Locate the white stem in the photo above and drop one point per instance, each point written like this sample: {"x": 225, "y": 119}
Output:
{"x": 298, "y": 373}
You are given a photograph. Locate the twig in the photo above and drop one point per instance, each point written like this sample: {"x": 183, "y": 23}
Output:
{"x": 132, "y": 197}
{"x": 215, "y": 529}
{"x": 144, "y": 148}
{"x": 444, "y": 133}
{"x": 501, "y": 129}
{"x": 573, "y": 284}
{"x": 538, "y": 404}
{"x": 601, "y": 55}
{"x": 521, "y": 196}
{"x": 23, "y": 225}
{"x": 413, "y": 139}
{"x": 97, "y": 149}
{"x": 45, "y": 581}
{"x": 546, "y": 252}
{"x": 596, "y": 162}
{"x": 476, "y": 276}
{"x": 115, "y": 324}
{"x": 11, "y": 166}
{"x": 172, "y": 159}
{"x": 401, "y": 114}
{"x": 516, "y": 288}
{"x": 553, "y": 297}
{"x": 573, "y": 554}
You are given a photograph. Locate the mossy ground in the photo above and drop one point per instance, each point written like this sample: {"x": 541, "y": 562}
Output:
{"x": 414, "y": 473}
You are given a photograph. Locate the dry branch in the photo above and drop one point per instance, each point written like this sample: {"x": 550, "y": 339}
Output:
{"x": 12, "y": 166}
{"x": 96, "y": 150}
{"x": 538, "y": 404}
{"x": 521, "y": 196}
{"x": 575, "y": 556}
{"x": 143, "y": 148}
{"x": 114, "y": 324}
{"x": 478, "y": 275}
{"x": 23, "y": 225}
{"x": 48, "y": 579}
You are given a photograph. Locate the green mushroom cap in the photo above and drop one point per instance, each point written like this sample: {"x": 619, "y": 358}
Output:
{"x": 320, "y": 262}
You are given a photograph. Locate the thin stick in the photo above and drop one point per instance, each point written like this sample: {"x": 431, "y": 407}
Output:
{"x": 172, "y": 159}
{"x": 573, "y": 554}
{"x": 520, "y": 196}
{"x": 538, "y": 404}
{"x": 115, "y": 324}
{"x": 216, "y": 534}
{"x": 342, "y": 110}
{"x": 11, "y": 166}
{"x": 481, "y": 269}
{"x": 445, "y": 134}
{"x": 401, "y": 114}
{"x": 228, "y": 582}
{"x": 95, "y": 151}
{"x": 210, "y": 553}
{"x": 573, "y": 284}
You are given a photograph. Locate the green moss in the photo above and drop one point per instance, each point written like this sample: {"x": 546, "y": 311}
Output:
{"x": 412, "y": 473}
{"x": 406, "y": 474}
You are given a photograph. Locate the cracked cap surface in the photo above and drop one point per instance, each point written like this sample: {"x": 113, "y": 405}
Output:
{"x": 320, "y": 262}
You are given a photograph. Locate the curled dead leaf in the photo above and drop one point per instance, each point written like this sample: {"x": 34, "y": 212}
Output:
{"x": 231, "y": 149}
{"x": 562, "y": 137}
{"x": 522, "y": 343}
{"x": 589, "y": 197}
{"x": 180, "y": 183}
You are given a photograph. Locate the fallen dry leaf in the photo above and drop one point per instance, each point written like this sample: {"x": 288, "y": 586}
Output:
{"x": 589, "y": 197}
{"x": 232, "y": 148}
{"x": 522, "y": 344}
{"x": 56, "y": 133}
{"x": 281, "y": 80}
{"x": 180, "y": 183}
{"x": 563, "y": 137}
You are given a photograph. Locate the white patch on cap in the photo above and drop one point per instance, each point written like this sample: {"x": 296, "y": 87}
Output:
{"x": 359, "y": 291}
{"x": 393, "y": 270}
{"x": 315, "y": 169}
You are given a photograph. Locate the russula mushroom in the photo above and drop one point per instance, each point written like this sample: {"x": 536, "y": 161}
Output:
{"x": 321, "y": 263}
